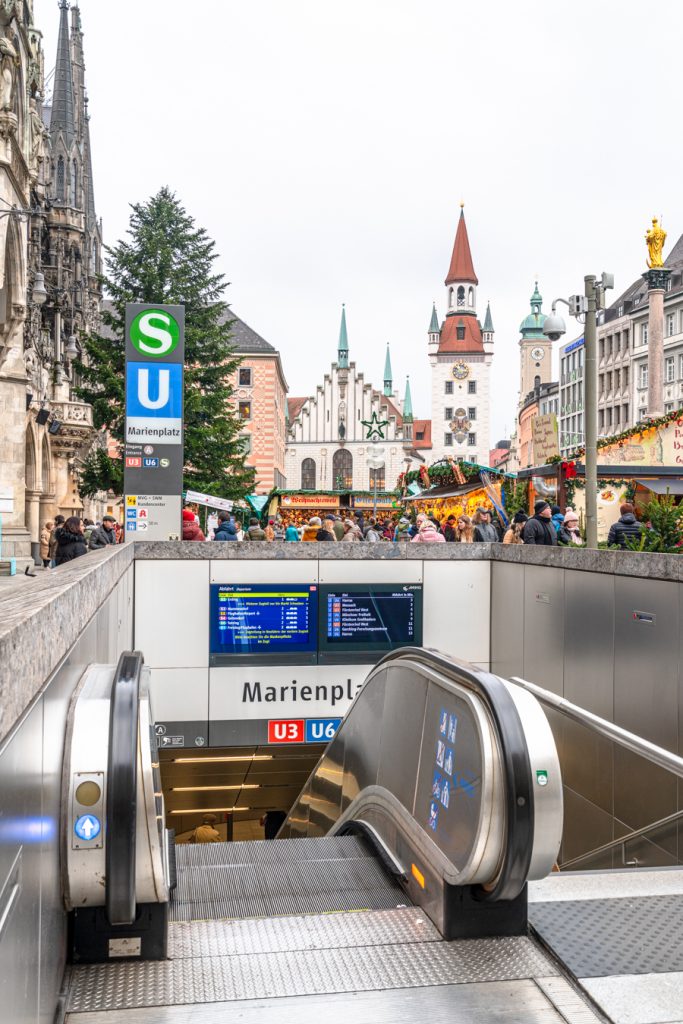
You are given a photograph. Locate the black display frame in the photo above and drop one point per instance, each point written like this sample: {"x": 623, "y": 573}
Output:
{"x": 345, "y": 653}
{"x": 229, "y": 659}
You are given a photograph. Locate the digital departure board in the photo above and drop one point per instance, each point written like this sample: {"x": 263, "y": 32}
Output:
{"x": 274, "y": 624}
{"x": 357, "y": 620}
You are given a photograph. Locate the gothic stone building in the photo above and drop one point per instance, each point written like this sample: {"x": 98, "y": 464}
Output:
{"x": 50, "y": 252}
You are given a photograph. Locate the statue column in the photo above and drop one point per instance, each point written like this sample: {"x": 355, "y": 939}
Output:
{"x": 656, "y": 286}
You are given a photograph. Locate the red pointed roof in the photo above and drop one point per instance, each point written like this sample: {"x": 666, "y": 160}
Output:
{"x": 461, "y": 268}
{"x": 449, "y": 340}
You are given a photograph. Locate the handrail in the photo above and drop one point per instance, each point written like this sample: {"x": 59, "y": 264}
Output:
{"x": 614, "y": 843}
{"x": 636, "y": 744}
{"x": 122, "y": 775}
{"x": 516, "y": 766}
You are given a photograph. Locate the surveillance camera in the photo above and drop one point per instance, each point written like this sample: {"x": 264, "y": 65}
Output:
{"x": 553, "y": 327}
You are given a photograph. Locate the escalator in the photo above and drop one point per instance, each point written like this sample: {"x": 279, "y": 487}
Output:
{"x": 435, "y": 803}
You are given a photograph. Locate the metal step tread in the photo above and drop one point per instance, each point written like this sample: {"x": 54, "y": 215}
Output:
{"x": 509, "y": 1002}
{"x": 281, "y": 877}
{"x": 342, "y": 967}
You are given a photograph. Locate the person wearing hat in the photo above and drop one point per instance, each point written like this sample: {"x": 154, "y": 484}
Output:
{"x": 191, "y": 529}
{"x": 513, "y": 534}
{"x": 539, "y": 529}
{"x": 557, "y": 517}
{"x": 103, "y": 535}
{"x": 255, "y": 532}
{"x": 206, "y": 832}
{"x": 402, "y": 531}
{"x": 569, "y": 533}
{"x": 484, "y": 530}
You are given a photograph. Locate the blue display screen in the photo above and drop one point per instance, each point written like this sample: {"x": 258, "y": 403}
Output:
{"x": 270, "y": 620}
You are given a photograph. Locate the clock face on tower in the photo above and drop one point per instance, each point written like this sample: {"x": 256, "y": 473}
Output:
{"x": 461, "y": 371}
{"x": 537, "y": 353}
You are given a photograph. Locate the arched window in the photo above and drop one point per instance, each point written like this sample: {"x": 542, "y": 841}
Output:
{"x": 470, "y": 297}
{"x": 74, "y": 184}
{"x": 60, "y": 180}
{"x": 308, "y": 475}
{"x": 461, "y": 296}
{"x": 450, "y": 298}
{"x": 94, "y": 256}
{"x": 537, "y": 383}
{"x": 342, "y": 470}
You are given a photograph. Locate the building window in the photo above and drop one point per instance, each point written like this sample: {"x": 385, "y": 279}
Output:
{"x": 669, "y": 407}
{"x": 617, "y": 344}
{"x": 609, "y": 418}
{"x": 617, "y": 379}
{"x": 460, "y": 331}
{"x": 642, "y": 375}
{"x": 450, "y": 298}
{"x": 624, "y": 414}
{"x": 601, "y": 384}
{"x": 448, "y": 440}
{"x": 472, "y": 413}
{"x": 669, "y": 370}
{"x": 601, "y": 348}
{"x": 461, "y": 296}
{"x": 670, "y": 324}
{"x": 537, "y": 383}
{"x": 609, "y": 346}
{"x": 420, "y": 435}
{"x": 617, "y": 414}
{"x": 448, "y": 413}
{"x": 245, "y": 410}
{"x": 680, "y": 367}
{"x": 471, "y": 440}
{"x": 620, "y": 311}
{"x": 448, "y": 387}
{"x": 471, "y": 387}
{"x": 342, "y": 470}
{"x": 643, "y": 334}
{"x": 60, "y": 180}
{"x": 626, "y": 376}
{"x": 377, "y": 479}
{"x": 668, "y": 283}
{"x": 625, "y": 336}
{"x": 470, "y": 297}
{"x": 74, "y": 184}
{"x": 608, "y": 382}
{"x": 308, "y": 475}
{"x": 244, "y": 377}
{"x": 601, "y": 420}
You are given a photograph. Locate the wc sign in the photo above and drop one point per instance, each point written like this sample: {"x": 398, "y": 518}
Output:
{"x": 153, "y": 464}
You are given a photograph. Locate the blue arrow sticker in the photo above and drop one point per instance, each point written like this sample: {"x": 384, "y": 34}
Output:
{"x": 87, "y": 827}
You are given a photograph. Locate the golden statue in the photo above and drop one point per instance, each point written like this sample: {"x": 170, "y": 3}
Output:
{"x": 655, "y": 239}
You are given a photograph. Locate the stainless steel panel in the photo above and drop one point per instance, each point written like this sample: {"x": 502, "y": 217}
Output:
{"x": 585, "y": 828}
{"x": 21, "y": 836}
{"x": 646, "y": 660}
{"x": 589, "y": 641}
{"x": 544, "y": 626}
{"x": 326, "y": 788}
{"x": 643, "y": 793}
{"x": 402, "y": 722}
{"x": 507, "y": 619}
{"x": 586, "y": 760}
{"x": 361, "y": 746}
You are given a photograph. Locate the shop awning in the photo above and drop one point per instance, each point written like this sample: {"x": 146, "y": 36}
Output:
{"x": 660, "y": 485}
{"x": 445, "y": 492}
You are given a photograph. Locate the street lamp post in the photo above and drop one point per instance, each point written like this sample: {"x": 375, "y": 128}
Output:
{"x": 586, "y": 306}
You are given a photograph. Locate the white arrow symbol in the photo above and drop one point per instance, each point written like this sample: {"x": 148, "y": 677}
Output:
{"x": 88, "y": 827}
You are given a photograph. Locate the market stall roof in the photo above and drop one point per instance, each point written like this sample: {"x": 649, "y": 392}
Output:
{"x": 661, "y": 485}
{"x": 446, "y": 491}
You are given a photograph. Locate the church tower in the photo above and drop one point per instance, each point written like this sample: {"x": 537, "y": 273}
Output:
{"x": 535, "y": 350}
{"x": 460, "y": 356}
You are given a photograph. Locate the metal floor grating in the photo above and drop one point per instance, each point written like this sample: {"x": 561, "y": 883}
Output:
{"x": 267, "y": 879}
{"x": 602, "y": 938}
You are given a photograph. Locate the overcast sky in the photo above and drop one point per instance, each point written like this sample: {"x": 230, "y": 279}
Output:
{"x": 326, "y": 147}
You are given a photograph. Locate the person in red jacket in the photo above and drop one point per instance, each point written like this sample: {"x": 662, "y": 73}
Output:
{"x": 191, "y": 530}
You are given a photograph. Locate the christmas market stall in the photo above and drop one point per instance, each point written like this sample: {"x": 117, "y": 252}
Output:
{"x": 449, "y": 487}
{"x": 634, "y": 465}
{"x": 297, "y": 507}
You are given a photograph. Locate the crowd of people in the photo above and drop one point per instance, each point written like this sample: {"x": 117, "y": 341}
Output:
{"x": 63, "y": 539}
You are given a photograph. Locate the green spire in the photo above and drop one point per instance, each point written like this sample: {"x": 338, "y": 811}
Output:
{"x": 407, "y": 404}
{"x": 388, "y": 376}
{"x": 532, "y": 325}
{"x": 488, "y": 322}
{"x": 434, "y": 322}
{"x": 343, "y": 350}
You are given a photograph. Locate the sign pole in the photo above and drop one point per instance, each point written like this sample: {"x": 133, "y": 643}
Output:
{"x": 153, "y": 442}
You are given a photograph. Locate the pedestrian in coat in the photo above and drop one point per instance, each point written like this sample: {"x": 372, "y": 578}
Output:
{"x": 70, "y": 541}
{"x": 45, "y": 535}
{"x": 539, "y": 529}
{"x": 101, "y": 536}
{"x": 626, "y": 526}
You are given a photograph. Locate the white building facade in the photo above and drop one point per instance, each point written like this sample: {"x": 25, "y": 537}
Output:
{"x": 571, "y": 395}
{"x": 327, "y": 447}
{"x": 460, "y": 356}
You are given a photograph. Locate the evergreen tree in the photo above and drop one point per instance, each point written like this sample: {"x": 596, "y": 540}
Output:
{"x": 665, "y": 532}
{"x": 168, "y": 260}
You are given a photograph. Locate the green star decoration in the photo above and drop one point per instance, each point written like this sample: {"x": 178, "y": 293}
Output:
{"x": 375, "y": 428}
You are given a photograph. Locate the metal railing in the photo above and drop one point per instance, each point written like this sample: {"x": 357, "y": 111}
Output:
{"x": 629, "y": 741}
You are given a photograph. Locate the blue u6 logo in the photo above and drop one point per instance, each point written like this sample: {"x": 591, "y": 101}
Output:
{"x": 154, "y": 389}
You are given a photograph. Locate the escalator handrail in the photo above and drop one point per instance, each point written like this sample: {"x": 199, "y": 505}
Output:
{"x": 514, "y": 752}
{"x": 122, "y": 777}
